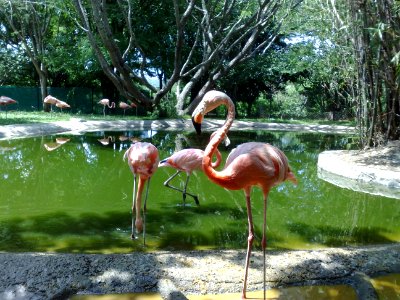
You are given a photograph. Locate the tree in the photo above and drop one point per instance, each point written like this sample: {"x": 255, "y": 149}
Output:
{"x": 209, "y": 40}
{"x": 27, "y": 24}
{"x": 376, "y": 42}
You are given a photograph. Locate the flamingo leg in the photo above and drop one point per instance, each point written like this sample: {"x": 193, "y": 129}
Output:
{"x": 184, "y": 193}
{"x": 144, "y": 212}
{"x": 249, "y": 240}
{"x": 264, "y": 240}
{"x": 133, "y": 206}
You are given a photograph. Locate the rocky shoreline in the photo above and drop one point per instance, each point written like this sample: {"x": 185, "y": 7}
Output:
{"x": 60, "y": 276}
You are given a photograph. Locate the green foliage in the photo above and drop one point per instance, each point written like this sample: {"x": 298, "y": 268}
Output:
{"x": 290, "y": 102}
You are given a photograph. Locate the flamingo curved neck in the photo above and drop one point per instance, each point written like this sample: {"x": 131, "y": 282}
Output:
{"x": 212, "y": 147}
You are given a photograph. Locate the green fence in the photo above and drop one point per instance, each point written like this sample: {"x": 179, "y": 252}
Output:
{"x": 80, "y": 99}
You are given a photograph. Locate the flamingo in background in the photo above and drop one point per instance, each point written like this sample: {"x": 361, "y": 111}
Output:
{"x": 54, "y": 101}
{"x": 106, "y": 102}
{"x": 143, "y": 161}
{"x": 49, "y": 99}
{"x": 124, "y": 106}
{"x": 5, "y": 101}
{"x": 187, "y": 160}
{"x": 250, "y": 164}
{"x": 61, "y": 104}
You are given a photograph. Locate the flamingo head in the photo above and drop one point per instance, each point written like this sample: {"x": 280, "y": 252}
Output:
{"x": 197, "y": 123}
{"x": 211, "y": 100}
{"x": 198, "y": 116}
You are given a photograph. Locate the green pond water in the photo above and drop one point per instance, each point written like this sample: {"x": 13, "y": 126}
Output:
{"x": 76, "y": 197}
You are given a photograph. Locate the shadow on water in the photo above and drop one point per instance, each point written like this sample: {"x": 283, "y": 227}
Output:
{"x": 77, "y": 198}
{"x": 335, "y": 237}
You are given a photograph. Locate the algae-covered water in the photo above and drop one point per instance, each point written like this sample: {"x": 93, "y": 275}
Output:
{"x": 73, "y": 193}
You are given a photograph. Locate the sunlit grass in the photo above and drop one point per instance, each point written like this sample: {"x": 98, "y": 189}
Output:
{"x": 24, "y": 117}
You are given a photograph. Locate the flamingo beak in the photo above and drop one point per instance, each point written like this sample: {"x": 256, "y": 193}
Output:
{"x": 197, "y": 126}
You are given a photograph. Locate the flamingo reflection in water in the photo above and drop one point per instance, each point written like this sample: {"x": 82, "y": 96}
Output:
{"x": 51, "y": 146}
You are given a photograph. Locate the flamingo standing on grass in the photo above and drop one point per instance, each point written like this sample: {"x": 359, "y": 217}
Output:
{"x": 49, "y": 99}
{"x": 5, "y": 101}
{"x": 124, "y": 106}
{"x": 187, "y": 160}
{"x": 106, "y": 102}
{"x": 250, "y": 164}
{"x": 61, "y": 104}
{"x": 143, "y": 161}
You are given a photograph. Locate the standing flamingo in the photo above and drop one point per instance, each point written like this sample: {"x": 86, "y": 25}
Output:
{"x": 187, "y": 160}
{"x": 124, "y": 106}
{"x": 143, "y": 160}
{"x": 61, "y": 104}
{"x": 250, "y": 164}
{"x": 49, "y": 99}
{"x": 5, "y": 101}
{"x": 106, "y": 102}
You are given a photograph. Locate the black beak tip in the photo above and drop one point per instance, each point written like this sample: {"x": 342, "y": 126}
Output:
{"x": 197, "y": 126}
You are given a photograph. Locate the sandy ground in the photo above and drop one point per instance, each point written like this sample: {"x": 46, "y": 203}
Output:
{"x": 174, "y": 274}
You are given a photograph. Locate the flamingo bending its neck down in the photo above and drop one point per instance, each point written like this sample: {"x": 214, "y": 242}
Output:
{"x": 143, "y": 161}
{"x": 250, "y": 164}
{"x": 187, "y": 160}
{"x": 106, "y": 102}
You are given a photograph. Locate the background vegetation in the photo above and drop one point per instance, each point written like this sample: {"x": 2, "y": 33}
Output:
{"x": 336, "y": 59}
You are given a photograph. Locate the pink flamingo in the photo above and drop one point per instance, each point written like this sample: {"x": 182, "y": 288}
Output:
{"x": 124, "y": 106}
{"x": 5, "y": 101}
{"x": 186, "y": 160}
{"x": 143, "y": 160}
{"x": 106, "y": 102}
{"x": 250, "y": 164}
{"x": 49, "y": 99}
{"x": 61, "y": 104}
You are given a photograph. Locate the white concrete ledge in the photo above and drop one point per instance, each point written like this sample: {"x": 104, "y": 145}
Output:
{"x": 374, "y": 171}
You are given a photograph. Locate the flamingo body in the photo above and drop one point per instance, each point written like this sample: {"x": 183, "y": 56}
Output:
{"x": 143, "y": 159}
{"x": 106, "y": 102}
{"x": 50, "y": 100}
{"x": 250, "y": 164}
{"x": 5, "y": 101}
{"x": 61, "y": 104}
{"x": 187, "y": 160}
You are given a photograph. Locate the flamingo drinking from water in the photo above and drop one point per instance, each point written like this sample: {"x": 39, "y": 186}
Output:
{"x": 143, "y": 161}
{"x": 250, "y": 164}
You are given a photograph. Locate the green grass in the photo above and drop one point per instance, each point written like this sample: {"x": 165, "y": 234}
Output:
{"x": 24, "y": 117}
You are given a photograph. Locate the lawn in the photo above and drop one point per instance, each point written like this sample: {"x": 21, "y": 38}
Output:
{"x": 23, "y": 117}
